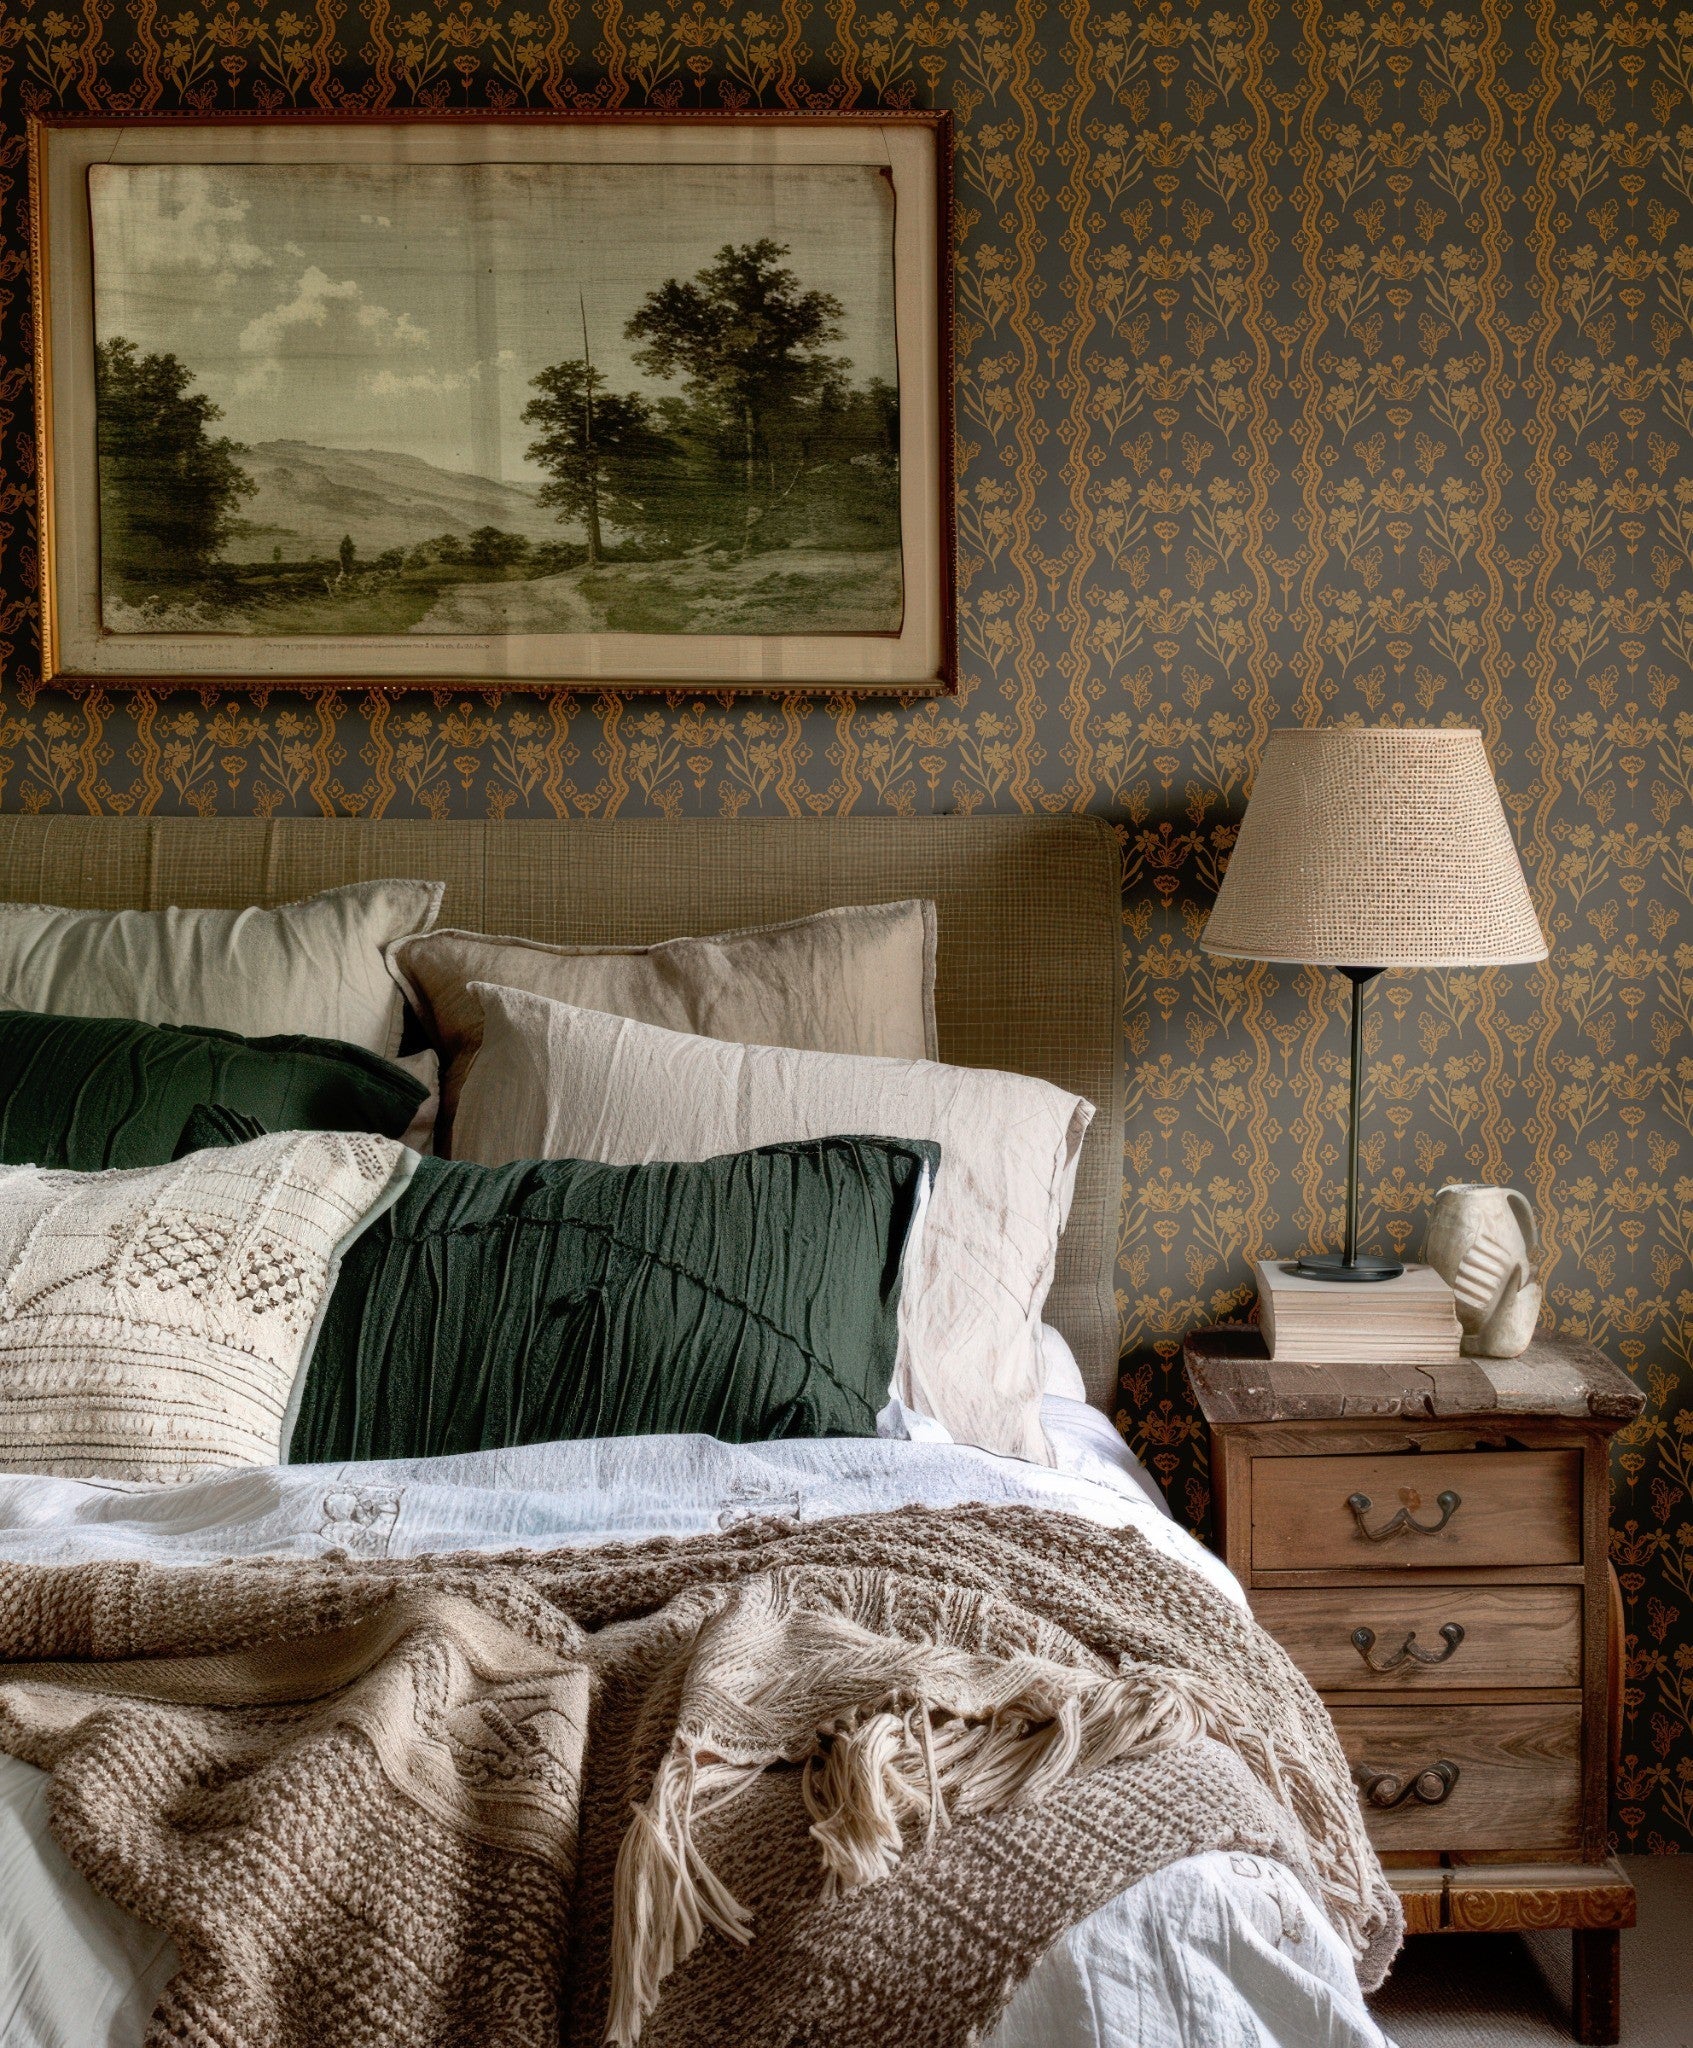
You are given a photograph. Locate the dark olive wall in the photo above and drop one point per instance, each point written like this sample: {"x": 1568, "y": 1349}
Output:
{"x": 1315, "y": 362}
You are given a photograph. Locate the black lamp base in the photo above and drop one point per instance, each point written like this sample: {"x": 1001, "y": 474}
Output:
{"x": 1331, "y": 1266}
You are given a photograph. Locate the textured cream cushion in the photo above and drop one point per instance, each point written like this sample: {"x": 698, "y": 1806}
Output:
{"x": 554, "y": 1081}
{"x": 314, "y": 967}
{"x": 152, "y": 1322}
{"x": 860, "y": 979}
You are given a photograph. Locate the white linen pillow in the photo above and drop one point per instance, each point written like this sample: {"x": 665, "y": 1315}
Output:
{"x": 1063, "y": 1385}
{"x": 556, "y": 1082}
{"x": 314, "y": 967}
{"x": 859, "y": 978}
{"x": 153, "y": 1321}
{"x": 1086, "y": 1442}
{"x": 1063, "y": 1374}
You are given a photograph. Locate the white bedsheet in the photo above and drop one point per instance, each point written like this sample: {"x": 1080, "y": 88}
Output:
{"x": 1215, "y": 1952}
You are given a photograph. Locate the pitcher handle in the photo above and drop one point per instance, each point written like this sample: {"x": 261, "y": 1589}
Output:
{"x": 1525, "y": 1216}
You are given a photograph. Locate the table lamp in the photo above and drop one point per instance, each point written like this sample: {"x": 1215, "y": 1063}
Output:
{"x": 1364, "y": 848}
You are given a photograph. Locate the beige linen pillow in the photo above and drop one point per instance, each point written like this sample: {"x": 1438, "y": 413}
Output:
{"x": 153, "y": 1322}
{"x": 554, "y": 1081}
{"x": 314, "y": 967}
{"x": 860, "y": 979}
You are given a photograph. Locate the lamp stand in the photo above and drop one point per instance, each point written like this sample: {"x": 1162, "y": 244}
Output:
{"x": 1348, "y": 1265}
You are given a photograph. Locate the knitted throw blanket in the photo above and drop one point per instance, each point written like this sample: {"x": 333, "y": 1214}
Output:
{"x": 840, "y": 1784}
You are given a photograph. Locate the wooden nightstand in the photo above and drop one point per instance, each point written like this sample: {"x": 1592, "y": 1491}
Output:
{"x": 1430, "y": 1546}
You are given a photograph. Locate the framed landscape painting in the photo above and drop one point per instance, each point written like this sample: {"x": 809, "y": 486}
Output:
{"x": 633, "y": 401}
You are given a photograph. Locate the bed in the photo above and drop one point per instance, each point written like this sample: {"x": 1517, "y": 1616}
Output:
{"x": 1222, "y": 1948}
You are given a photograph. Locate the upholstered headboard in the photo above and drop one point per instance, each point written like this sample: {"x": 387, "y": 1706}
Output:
{"x": 1029, "y": 974}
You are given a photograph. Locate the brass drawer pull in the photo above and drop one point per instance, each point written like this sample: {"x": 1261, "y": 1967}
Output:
{"x": 1448, "y": 1503}
{"x": 1431, "y": 1786}
{"x": 1364, "y": 1641}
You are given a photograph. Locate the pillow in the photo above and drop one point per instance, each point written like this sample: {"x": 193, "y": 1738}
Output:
{"x": 1087, "y": 1442}
{"x": 93, "y": 1092}
{"x": 1063, "y": 1374}
{"x": 210, "y": 1125}
{"x": 852, "y": 980}
{"x": 749, "y": 1298}
{"x": 425, "y": 1070}
{"x": 313, "y": 967}
{"x": 556, "y": 1081}
{"x": 152, "y": 1323}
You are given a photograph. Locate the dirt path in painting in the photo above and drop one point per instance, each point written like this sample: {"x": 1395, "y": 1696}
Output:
{"x": 544, "y": 604}
{"x": 787, "y": 590}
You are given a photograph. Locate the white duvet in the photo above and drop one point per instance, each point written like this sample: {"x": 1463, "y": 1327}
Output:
{"x": 1219, "y": 1951}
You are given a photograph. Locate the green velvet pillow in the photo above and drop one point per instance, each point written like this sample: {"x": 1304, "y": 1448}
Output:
{"x": 93, "y": 1092}
{"x": 749, "y": 1297}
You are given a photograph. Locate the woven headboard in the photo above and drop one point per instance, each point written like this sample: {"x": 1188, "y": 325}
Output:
{"x": 1029, "y": 975}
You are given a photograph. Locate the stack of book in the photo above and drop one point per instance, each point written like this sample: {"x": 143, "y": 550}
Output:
{"x": 1409, "y": 1321}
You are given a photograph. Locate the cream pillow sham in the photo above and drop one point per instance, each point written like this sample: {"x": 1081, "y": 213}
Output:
{"x": 859, "y": 979}
{"x": 153, "y": 1322}
{"x": 314, "y": 967}
{"x": 555, "y": 1081}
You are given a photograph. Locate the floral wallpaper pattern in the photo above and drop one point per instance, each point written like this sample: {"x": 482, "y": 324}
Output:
{"x": 1315, "y": 361}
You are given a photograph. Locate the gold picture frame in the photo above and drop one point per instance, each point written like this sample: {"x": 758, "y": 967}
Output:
{"x": 541, "y": 324}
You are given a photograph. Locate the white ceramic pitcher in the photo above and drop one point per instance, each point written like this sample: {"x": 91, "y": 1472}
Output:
{"x": 1482, "y": 1241}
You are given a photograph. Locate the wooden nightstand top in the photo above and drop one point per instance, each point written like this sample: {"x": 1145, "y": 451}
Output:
{"x": 1235, "y": 1381}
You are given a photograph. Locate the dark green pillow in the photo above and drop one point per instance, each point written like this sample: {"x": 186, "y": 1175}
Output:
{"x": 749, "y": 1297}
{"x": 93, "y": 1092}
{"x": 213, "y": 1127}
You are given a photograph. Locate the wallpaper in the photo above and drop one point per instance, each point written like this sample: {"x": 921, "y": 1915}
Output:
{"x": 1314, "y": 362}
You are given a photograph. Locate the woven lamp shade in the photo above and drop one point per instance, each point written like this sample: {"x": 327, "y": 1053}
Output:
{"x": 1374, "y": 846}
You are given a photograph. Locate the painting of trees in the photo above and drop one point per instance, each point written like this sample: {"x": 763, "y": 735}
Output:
{"x": 768, "y": 442}
{"x": 749, "y": 344}
{"x": 603, "y": 455}
{"x": 169, "y": 490}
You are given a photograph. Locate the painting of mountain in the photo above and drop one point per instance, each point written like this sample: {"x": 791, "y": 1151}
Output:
{"x": 305, "y": 498}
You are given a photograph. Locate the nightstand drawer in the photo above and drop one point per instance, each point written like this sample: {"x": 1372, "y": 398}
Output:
{"x": 1421, "y": 1509}
{"x": 1467, "y": 1778}
{"x": 1405, "y": 1637}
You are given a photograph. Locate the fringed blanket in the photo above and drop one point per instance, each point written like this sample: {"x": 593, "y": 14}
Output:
{"x": 840, "y": 1784}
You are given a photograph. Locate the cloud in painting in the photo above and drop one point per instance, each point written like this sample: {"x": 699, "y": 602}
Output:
{"x": 329, "y": 316}
{"x": 191, "y": 230}
{"x": 435, "y": 383}
{"x": 415, "y": 383}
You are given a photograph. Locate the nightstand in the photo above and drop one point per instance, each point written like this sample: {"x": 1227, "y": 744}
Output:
{"x": 1429, "y": 1544}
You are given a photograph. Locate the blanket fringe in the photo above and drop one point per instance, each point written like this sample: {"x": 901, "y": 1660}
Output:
{"x": 664, "y": 1893}
{"x": 912, "y": 1759}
